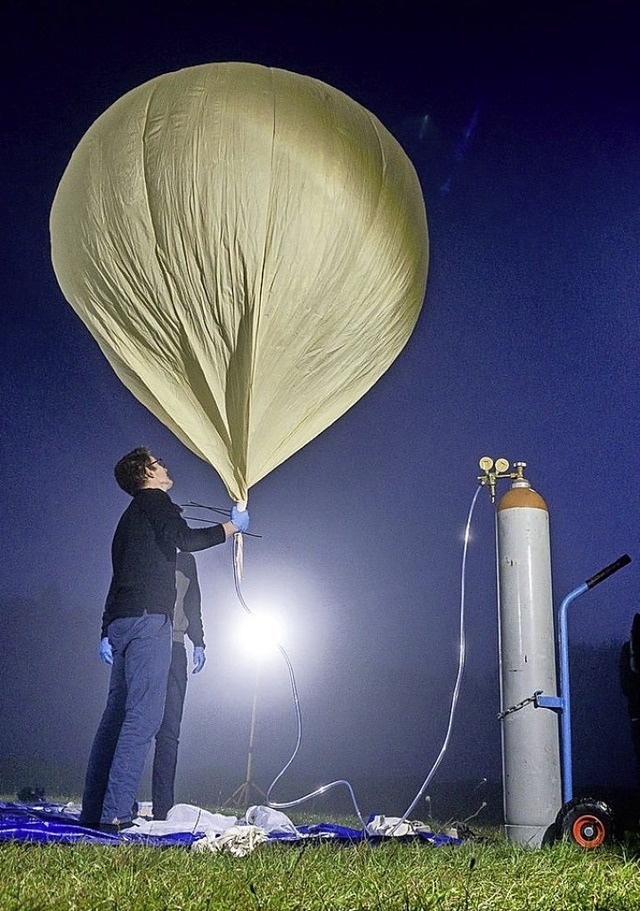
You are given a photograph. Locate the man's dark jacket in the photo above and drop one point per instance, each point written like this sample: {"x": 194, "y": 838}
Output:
{"x": 143, "y": 555}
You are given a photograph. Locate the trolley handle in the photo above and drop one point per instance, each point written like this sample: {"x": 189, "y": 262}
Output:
{"x": 608, "y": 571}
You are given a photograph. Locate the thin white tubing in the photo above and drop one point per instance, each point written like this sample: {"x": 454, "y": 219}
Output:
{"x": 461, "y": 658}
{"x": 296, "y": 701}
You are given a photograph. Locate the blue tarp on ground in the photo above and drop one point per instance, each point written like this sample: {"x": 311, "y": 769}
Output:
{"x": 52, "y": 823}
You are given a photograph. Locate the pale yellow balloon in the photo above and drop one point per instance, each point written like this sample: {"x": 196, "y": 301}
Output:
{"x": 248, "y": 247}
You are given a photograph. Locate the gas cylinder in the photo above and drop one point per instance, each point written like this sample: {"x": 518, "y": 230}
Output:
{"x": 531, "y": 771}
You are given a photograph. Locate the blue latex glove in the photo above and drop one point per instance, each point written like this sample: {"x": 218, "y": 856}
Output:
{"x": 106, "y": 652}
{"x": 240, "y": 519}
{"x": 199, "y": 659}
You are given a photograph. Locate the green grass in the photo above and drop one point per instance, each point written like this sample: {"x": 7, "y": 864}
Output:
{"x": 407, "y": 876}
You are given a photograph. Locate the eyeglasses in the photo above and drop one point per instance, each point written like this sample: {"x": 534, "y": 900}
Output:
{"x": 156, "y": 462}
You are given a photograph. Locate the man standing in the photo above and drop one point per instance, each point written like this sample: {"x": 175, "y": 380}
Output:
{"x": 137, "y": 628}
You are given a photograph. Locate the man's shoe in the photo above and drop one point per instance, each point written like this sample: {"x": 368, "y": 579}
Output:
{"x": 89, "y": 823}
{"x": 114, "y": 828}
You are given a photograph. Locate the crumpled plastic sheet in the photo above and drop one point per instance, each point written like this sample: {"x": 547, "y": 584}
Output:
{"x": 52, "y": 823}
{"x": 236, "y": 840}
{"x": 195, "y": 828}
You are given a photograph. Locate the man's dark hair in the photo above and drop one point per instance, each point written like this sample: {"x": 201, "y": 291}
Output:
{"x": 130, "y": 472}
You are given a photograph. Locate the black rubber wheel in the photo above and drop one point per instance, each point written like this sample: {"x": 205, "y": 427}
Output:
{"x": 586, "y": 822}
{"x": 551, "y": 835}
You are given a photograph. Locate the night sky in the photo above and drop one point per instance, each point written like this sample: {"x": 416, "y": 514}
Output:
{"x": 523, "y": 124}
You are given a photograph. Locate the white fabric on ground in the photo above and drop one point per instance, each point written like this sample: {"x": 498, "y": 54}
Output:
{"x": 184, "y": 817}
{"x": 219, "y": 832}
{"x": 270, "y": 820}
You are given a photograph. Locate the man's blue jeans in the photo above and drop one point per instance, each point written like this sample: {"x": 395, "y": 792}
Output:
{"x": 166, "y": 753}
{"x": 133, "y": 714}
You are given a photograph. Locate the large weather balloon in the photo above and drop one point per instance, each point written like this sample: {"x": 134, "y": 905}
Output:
{"x": 248, "y": 247}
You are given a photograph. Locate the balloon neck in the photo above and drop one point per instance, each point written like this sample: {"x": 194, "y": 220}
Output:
{"x": 241, "y": 504}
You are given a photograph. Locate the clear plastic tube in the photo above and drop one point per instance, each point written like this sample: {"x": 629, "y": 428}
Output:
{"x": 281, "y": 805}
{"x": 296, "y": 701}
{"x": 461, "y": 659}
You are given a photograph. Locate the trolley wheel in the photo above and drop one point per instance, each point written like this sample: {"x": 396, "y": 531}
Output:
{"x": 586, "y": 822}
{"x": 551, "y": 835}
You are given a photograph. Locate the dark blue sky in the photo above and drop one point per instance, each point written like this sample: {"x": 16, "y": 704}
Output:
{"x": 523, "y": 123}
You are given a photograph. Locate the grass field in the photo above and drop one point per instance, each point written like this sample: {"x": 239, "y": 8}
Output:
{"x": 396, "y": 876}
